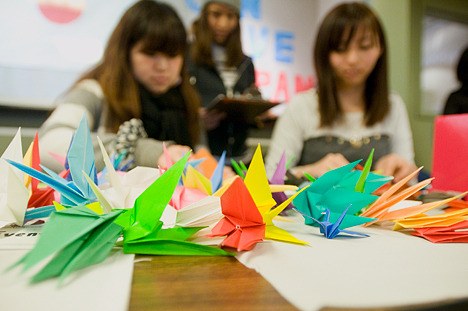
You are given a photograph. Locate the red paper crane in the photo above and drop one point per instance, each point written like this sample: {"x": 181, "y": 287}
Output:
{"x": 242, "y": 223}
{"x": 39, "y": 196}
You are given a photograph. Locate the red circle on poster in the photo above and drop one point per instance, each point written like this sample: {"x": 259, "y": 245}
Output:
{"x": 61, "y": 11}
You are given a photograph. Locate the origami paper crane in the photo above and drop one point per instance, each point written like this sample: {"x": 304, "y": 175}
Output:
{"x": 38, "y": 213}
{"x": 195, "y": 185}
{"x": 207, "y": 163}
{"x": 204, "y": 212}
{"x": 456, "y": 233}
{"x": 331, "y": 229}
{"x": 457, "y": 204}
{"x": 261, "y": 191}
{"x": 120, "y": 190}
{"x": 332, "y": 191}
{"x": 143, "y": 229}
{"x": 75, "y": 238}
{"x": 195, "y": 180}
{"x": 275, "y": 233}
{"x": 80, "y": 159}
{"x": 278, "y": 179}
{"x": 367, "y": 181}
{"x": 185, "y": 196}
{"x": 425, "y": 221}
{"x": 14, "y": 195}
{"x": 211, "y": 168}
{"x": 39, "y": 196}
{"x": 257, "y": 182}
{"x": 380, "y": 209}
{"x": 414, "y": 217}
{"x": 242, "y": 223}
{"x": 121, "y": 163}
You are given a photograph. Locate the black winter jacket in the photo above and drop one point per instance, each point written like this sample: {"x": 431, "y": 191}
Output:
{"x": 229, "y": 135}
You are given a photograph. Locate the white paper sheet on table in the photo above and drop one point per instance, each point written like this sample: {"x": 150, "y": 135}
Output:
{"x": 387, "y": 269}
{"x": 105, "y": 286}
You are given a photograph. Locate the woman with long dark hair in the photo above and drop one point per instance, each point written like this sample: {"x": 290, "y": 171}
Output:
{"x": 218, "y": 66}
{"x": 351, "y": 111}
{"x": 139, "y": 94}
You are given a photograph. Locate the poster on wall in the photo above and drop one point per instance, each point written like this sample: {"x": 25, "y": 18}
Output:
{"x": 443, "y": 42}
{"x": 47, "y": 44}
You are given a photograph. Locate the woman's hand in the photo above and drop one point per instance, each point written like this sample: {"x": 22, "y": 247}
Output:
{"x": 394, "y": 165}
{"x": 211, "y": 118}
{"x": 228, "y": 172}
{"x": 176, "y": 152}
{"x": 317, "y": 169}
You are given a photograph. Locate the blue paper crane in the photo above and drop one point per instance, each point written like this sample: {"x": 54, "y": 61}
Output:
{"x": 331, "y": 229}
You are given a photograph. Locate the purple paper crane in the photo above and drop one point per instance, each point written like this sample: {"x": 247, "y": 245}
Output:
{"x": 278, "y": 179}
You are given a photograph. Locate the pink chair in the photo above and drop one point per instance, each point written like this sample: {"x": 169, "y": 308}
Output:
{"x": 450, "y": 153}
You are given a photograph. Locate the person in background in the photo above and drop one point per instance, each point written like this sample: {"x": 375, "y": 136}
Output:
{"x": 136, "y": 97}
{"x": 351, "y": 111}
{"x": 217, "y": 65}
{"x": 457, "y": 101}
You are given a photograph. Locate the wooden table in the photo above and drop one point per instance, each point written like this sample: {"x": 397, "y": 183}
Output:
{"x": 200, "y": 283}
{"x": 220, "y": 283}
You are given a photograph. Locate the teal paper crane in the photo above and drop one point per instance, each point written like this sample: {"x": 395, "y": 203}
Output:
{"x": 337, "y": 188}
{"x": 80, "y": 161}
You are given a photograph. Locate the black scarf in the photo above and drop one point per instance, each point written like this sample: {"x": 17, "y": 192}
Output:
{"x": 165, "y": 116}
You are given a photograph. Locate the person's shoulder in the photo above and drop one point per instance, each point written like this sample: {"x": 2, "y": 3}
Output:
{"x": 250, "y": 59}
{"x": 302, "y": 105}
{"x": 306, "y": 98}
{"x": 396, "y": 101}
{"x": 91, "y": 86}
{"x": 246, "y": 59}
{"x": 398, "y": 108}
{"x": 85, "y": 93}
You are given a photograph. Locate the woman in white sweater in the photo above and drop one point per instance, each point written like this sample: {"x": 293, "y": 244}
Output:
{"x": 351, "y": 111}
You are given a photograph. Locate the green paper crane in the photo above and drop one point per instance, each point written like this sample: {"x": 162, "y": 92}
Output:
{"x": 76, "y": 238}
{"x": 143, "y": 229}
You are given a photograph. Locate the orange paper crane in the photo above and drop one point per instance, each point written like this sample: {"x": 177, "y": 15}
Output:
{"x": 457, "y": 204}
{"x": 415, "y": 210}
{"x": 445, "y": 219}
{"x": 380, "y": 208}
{"x": 209, "y": 163}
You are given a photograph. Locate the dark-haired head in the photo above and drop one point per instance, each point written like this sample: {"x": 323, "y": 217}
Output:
{"x": 337, "y": 30}
{"x": 204, "y": 38}
{"x": 153, "y": 24}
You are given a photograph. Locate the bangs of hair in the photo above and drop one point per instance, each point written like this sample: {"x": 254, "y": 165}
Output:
{"x": 164, "y": 38}
{"x": 159, "y": 29}
{"x": 345, "y": 28}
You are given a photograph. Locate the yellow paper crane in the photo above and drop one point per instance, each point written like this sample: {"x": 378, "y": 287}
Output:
{"x": 257, "y": 182}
